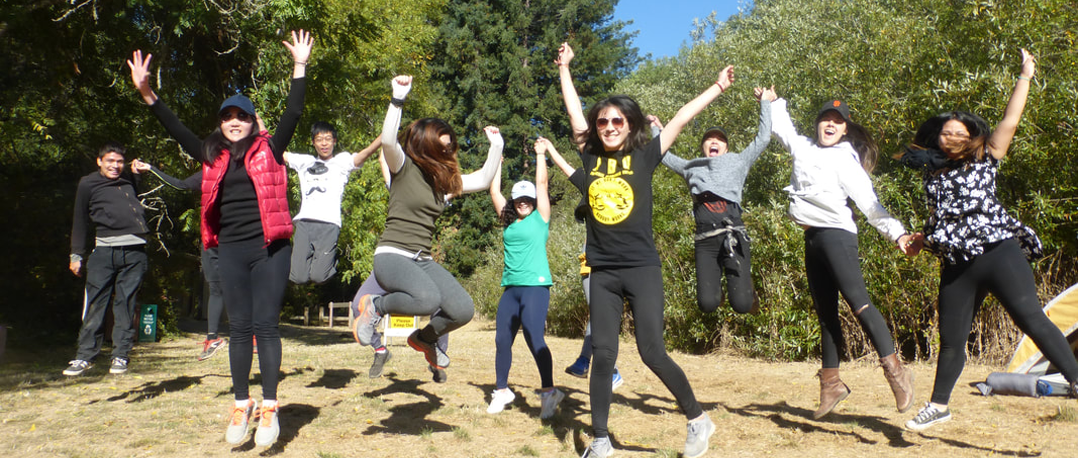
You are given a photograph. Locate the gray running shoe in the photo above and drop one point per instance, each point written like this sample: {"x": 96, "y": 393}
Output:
{"x": 600, "y": 448}
{"x": 438, "y": 375}
{"x": 210, "y": 348}
{"x": 366, "y": 321}
{"x": 237, "y": 422}
{"x": 550, "y": 401}
{"x": 699, "y": 431}
{"x": 77, "y": 367}
{"x": 379, "y": 363}
{"x": 269, "y": 427}
{"x": 119, "y": 366}
{"x": 434, "y": 355}
{"x": 928, "y": 416}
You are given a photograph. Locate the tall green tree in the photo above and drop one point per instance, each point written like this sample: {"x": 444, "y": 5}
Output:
{"x": 494, "y": 66}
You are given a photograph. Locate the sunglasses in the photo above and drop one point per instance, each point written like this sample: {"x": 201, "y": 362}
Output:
{"x": 240, "y": 115}
{"x": 618, "y": 123}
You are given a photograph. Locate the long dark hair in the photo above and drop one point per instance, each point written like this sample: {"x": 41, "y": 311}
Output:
{"x": 216, "y": 141}
{"x": 509, "y": 213}
{"x": 928, "y": 135}
{"x": 420, "y": 141}
{"x": 861, "y": 140}
{"x": 639, "y": 135}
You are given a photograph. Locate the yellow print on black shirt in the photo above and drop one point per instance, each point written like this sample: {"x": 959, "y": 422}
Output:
{"x": 610, "y": 196}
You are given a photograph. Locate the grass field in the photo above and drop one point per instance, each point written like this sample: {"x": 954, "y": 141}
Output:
{"x": 170, "y": 405}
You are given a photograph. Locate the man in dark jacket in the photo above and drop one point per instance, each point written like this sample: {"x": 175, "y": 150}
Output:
{"x": 114, "y": 269}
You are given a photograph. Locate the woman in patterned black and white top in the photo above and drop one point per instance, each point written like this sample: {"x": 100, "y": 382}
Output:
{"x": 982, "y": 249}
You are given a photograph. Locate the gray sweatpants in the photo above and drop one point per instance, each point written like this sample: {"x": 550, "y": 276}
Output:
{"x": 421, "y": 287}
{"x": 314, "y": 251}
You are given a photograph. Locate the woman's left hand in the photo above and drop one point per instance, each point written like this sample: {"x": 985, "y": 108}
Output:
{"x": 494, "y": 135}
{"x": 300, "y": 46}
{"x": 1029, "y": 64}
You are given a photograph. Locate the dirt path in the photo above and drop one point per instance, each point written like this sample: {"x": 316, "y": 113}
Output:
{"x": 171, "y": 405}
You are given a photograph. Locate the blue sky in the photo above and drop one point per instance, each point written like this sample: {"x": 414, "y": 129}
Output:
{"x": 665, "y": 25}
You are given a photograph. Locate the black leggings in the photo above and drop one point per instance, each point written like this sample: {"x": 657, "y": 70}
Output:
{"x": 833, "y": 266}
{"x": 1003, "y": 271}
{"x": 713, "y": 262}
{"x": 643, "y": 287}
{"x": 253, "y": 278}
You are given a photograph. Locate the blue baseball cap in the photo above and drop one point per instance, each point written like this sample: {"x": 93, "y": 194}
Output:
{"x": 239, "y": 101}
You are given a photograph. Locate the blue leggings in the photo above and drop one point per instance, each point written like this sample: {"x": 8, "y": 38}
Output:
{"x": 522, "y": 306}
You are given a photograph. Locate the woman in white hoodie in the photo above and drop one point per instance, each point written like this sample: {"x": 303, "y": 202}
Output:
{"x": 828, "y": 170}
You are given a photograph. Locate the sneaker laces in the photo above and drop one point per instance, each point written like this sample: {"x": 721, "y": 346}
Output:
{"x": 239, "y": 414}
{"x": 266, "y": 416}
{"x": 926, "y": 413}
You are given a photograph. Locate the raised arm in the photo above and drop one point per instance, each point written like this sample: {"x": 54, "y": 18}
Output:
{"x": 557, "y": 158}
{"x": 763, "y": 131}
{"x": 480, "y": 179}
{"x": 781, "y": 124}
{"x": 496, "y": 196}
{"x": 140, "y": 76}
{"x": 1000, "y": 140}
{"x": 542, "y": 179}
{"x": 362, "y": 155}
{"x": 300, "y": 47}
{"x": 394, "y": 154}
{"x": 568, "y": 94}
{"x": 694, "y": 107}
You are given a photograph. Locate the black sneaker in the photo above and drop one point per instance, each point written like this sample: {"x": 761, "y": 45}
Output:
{"x": 928, "y": 416}
{"x": 77, "y": 367}
{"x": 437, "y": 374}
{"x": 380, "y": 359}
{"x": 119, "y": 366}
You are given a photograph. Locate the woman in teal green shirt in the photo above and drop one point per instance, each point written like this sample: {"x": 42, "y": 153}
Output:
{"x": 526, "y": 279}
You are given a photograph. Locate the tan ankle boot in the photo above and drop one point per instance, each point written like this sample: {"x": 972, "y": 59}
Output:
{"x": 901, "y": 380}
{"x": 832, "y": 390}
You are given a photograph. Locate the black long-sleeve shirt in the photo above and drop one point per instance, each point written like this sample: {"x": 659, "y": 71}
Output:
{"x": 112, "y": 206}
{"x": 240, "y": 217}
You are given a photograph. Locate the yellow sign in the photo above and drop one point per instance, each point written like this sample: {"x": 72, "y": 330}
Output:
{"x": 402, "y": 321}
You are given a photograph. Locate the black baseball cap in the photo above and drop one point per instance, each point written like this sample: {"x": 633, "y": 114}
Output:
{"x": 838, "y": 106}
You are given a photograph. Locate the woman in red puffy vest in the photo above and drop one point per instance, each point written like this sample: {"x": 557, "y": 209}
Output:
{"x": 245, "y": 214}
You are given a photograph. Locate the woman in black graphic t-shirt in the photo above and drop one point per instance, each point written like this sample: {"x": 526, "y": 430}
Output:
{"x": 619, "y": 158}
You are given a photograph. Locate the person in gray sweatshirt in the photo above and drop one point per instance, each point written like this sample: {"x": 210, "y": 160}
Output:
{"x": 715, "y": 182}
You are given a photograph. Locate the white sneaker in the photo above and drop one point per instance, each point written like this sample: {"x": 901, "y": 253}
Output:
{"x": 600, "y": 448}
{"x": 699, "y": 431}
{"x": 237, "y": 422}
{"x": 550, "y": 401}
{"x": 499, "y": 399}
{"x": 928, "y": 416}
{"x": 269, "y": 427}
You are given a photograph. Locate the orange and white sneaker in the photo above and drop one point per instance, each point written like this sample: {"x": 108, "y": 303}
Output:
{"x": 366, "y": 321}
{"x": 269, "y": 427}
{"x": 237, "y": 422}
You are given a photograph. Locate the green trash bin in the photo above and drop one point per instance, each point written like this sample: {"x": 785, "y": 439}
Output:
{"x": 147, "y": 323}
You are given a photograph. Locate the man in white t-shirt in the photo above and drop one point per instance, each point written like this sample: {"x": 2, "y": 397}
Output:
{"x": 318, "y": 223}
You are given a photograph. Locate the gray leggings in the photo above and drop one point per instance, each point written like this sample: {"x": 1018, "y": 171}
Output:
{"x": 421, "y": 287}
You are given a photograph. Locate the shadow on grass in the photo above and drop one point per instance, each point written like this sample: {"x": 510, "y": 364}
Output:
{"x": 152, "y": 390}
{"x": 567, "y": 420}
{"x": 786, "y": 416}
{"x": 410, "y": 418}
{"x": 334, "y": 379}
